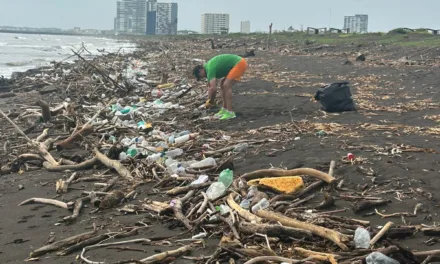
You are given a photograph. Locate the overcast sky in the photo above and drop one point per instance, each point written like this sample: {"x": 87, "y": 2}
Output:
{"x": 383, "y": 14}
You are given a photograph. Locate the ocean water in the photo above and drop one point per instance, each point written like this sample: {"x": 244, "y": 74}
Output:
{"x": 20, "y": 52}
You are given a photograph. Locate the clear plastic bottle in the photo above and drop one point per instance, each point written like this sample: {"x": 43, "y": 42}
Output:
{"x": 174, "y": 153}
{"x": 216, "y": 190}
{"x": 156, "y": 93}
{"x": 226, "y": 177}
{"x": 123, "y": 156}
{"x": 224, "y": 209}
{"x": 126, "y": 142}
{"x": 362, "y": 238}
{"x": 185, "y": 138}
{"x": 206, "y": 163}
{"x": 245, "y": 204}
{"x": 379, "y": 258}
{"x": 154, "y": 157}
{"x": 201, "y": 179}
{"x": 251, "y": 192}
{"x": 261, "y": 205}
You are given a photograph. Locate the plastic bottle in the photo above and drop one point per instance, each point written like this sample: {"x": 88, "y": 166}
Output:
{"x": 379, "y": 258}
{"x": 226, "y": 177}
{"x": 126, "y": 142}
{"x": 206, "y": 163}
{"x": 185, "y": 138}
{"x": 251, "y": 192}
{"x": 216, "y": 190}
{"x": 241, "y": 148}
{"x": 224, "y": 209}
{"x": 174, "y": 153}
{"x": 200, "y": 180}
{"x": 123, "y": 156}
{"x": 155, "y": 157}
{"x": 245, "y": 204}
{"x": 261, "y": 205}
{"x": 156, "y": 93}
{"x": 362, "y": 238}
{"x": 132, "y": 152}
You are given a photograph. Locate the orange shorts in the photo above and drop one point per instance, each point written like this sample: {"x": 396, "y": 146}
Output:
{"x": 238, "y": 71}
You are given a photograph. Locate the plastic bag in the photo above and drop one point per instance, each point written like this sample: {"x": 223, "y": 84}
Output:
{"x": 335, "y": 97}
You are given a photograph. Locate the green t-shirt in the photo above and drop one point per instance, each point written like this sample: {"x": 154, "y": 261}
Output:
{"x": 220, "y": 65}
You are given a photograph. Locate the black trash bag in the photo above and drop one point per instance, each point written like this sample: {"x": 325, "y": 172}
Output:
{"x": 335, "y": 97}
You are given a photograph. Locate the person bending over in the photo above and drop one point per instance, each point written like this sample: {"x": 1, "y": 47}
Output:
{"x": 227, "y": 67}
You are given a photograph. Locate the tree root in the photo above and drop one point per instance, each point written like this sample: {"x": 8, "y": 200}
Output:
{"x": 69, "y": 142}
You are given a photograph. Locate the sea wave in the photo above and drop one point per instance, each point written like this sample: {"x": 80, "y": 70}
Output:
{"x": 18, "y": 63}
{"x": 3, "y": 43}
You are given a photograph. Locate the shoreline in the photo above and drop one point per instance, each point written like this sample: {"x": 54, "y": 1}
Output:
{"x": 391, "y": 135}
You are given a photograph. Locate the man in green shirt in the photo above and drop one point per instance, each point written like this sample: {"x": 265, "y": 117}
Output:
{"x": 228, "y": 67}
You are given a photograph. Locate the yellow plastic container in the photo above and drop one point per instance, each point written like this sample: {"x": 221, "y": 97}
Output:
{"x": 166, "y": 86}
{"x": 287, "y": 184}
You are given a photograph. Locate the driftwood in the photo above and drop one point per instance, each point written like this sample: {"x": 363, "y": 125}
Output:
{"x": 43, "y": 135}
{"x": 381, "y": 233}
{"x": 338, "y": 238}
{"x": 88, "y": 164}
{"x": 69, "y": 142}
{"x": 185, "y": 189}
{"x": 46, "y": 201}
{"x": 177, "y": 209}
{"x": 114, "y": 164}
{"x": 82, "y": 244}
{"x": 279, "y": 173}
{"x": 242, "y": 212}
{"x": 364, "y": 205}
{"x": 45, "y": 110}
{"x": 264, "y": 259}
{"x": 61, "y": 244}
{"x": 171, "y": 253}
{"x": 274, "y": 230}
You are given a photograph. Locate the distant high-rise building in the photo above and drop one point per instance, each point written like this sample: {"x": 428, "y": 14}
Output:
{"x": 166, "y": 18}
{"x": 151, "y": 17}
{"x": 131, "y": 16}
{"x": 356, "y": 24}
{"x": 245, "y": 27}
{"x": 215, "y": 23}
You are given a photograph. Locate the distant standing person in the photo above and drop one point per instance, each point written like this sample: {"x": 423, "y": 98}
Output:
{"x": 230, "y": 68}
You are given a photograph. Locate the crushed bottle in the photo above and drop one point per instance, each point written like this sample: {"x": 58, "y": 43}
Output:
{"x": 216, "y": 190}
{"x": 261, "y": 205}
{"x": 206, "y": 163}
{"x": 362, "y": 238}
{"x": 379, "y": 258}
{"x": 226, "y": 177}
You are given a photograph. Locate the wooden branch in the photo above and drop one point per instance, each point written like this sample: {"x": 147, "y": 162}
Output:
{"x": 54, "y": 111}
{"x": 185, "y": 189}
{"x": 320, "y": 256}
{"x": 16, "y": 127}
{"x": 88, "y": 164}
{"x": 45, "y": 110}
{"x": 279, "y": 173}
{"x": 338, "y": 238}
{"x": 242, "y": 212}
{"x": 364, "y": 205}
{"x": 167, "y": 254}
{"x": 43, "y": 135}
{"x": 46, "y": 155}
{"x": 46, "y": 201}
{"x": 177, "y": 209}
{"x": 264, "y": 259}
{"x": 204, "y": 204}
{"x": 61, "y": 243}
{"x": 381, "y": 233}
{"x": 274, "y": 230}
{"x": 114, "y": 164}
{"x": 68, "y": 143}
{"x": 82, "y": 244}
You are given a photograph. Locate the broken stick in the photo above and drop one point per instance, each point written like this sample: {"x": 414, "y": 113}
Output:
{"x": 47, "y": 201}
{"x": 114, "y": 164}
{"x": 338, "y": 238}
{"x": 279, "y": 173}
{"x": 68, "y": 142}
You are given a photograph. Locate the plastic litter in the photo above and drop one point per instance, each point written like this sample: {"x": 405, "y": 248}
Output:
{"x": 241, "y": 148}
{"x": 201, "y": 179}
{"x": 216, "y": 190}
{"x": 362, "y": 238}
{"x": 379, "y": 258}
{"x": 261, "y": 205}
{"x": 206, "y": 163}
{"x": 287, "y": 184}
{"x": 226, "y": 177}
{"x": 174, "y": 153}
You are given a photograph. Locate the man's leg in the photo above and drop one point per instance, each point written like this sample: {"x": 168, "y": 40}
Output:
{"x": 222, "y": 93}
{"x": 227, "y": 93}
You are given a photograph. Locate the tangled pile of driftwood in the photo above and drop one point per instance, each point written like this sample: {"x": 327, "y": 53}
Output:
{"x": 292, "y": 229}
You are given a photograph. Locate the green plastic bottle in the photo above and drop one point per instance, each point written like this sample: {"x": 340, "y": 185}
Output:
{"x": 226, "y": 177}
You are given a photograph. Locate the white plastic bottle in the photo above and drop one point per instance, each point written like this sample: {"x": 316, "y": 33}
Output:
{"x": 206, "y": 163}
{"x": 154, "y": 157}
{"x": 185, "y": 138}
{"x": 216, "y": 190}
{"x": 174, "y": 153}
{"x": 261, "y": 205}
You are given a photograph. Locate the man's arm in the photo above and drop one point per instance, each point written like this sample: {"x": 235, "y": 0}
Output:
{"x": 212, "y": 90}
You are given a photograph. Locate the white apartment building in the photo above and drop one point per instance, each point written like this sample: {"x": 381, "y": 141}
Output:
{"x": 131, "y": 16}
{"x": 166, "y": 18}
{"x": 356, "y": 24}
{"x": 245, "y": 27}
{"x": 214, "y": 23}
